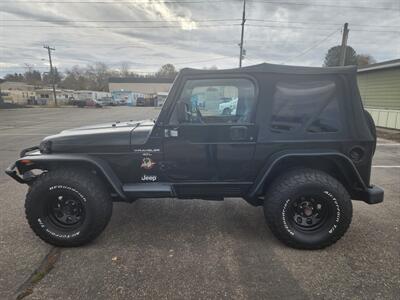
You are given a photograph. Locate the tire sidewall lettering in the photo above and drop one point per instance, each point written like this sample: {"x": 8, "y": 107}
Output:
{"x": 284, "y": 218}
{"x": 338, "y": 212}
{"x": 57, "y": 235}
{"x": 43, "y": 223}
{"x": 65, "y": 187}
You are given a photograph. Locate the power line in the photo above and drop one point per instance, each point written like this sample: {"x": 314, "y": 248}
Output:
{"x": 121, "y": 21}
{"x": 194, "y": 20}
{"x": 320, "y": 23}
{"x": 312, "y": 47}
{"x": 323, "y": 5}
{"x": 201, "y": 2}
{"x": 189, "y": 26}
{"x": 200, "y": 61}
{"x": 322, "y": 29}
{"x": 118, "y": 27}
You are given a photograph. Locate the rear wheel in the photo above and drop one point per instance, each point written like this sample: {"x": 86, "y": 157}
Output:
{"x": 68, "y": 207}
{"x": 308, "y": 209}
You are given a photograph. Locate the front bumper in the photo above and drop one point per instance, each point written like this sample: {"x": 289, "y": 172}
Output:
{"x": 26, "y": 178}
{"x": 373, "y": 195}
{"x": 13, "y": 170}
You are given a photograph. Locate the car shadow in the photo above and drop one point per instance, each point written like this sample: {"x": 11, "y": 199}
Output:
{"x": 156, "y": 221}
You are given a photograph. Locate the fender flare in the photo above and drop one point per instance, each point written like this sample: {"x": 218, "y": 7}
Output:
{"x": 99, "y": 165}
{"x": 276, "y": 158}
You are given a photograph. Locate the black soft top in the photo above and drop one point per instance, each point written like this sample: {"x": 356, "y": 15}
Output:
{"x": 272, "y": 68}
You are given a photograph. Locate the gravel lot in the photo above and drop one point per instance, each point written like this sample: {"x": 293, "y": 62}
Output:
{"x": 174, "y": 249}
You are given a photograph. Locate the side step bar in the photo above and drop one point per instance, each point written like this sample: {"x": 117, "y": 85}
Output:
{"x": 148, "y": 190}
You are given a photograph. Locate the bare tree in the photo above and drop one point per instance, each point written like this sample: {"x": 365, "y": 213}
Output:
{"x": 125, "y": 66}
{"x": 98, "y": 75}
{"x": 167, "y": 71}
{"x": 365, "y": 59}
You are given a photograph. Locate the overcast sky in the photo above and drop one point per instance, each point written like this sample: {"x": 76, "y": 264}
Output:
{"x": 190, "y": 33}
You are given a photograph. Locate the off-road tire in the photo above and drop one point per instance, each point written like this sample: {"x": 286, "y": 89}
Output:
{"x": 280, "y": 203}
{"x": 87, "y": 188}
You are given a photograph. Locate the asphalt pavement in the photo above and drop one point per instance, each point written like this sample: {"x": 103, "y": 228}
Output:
{"x": 191, "y": 249}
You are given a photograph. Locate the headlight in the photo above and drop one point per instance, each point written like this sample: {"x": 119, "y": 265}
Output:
{"x": 45, "y": 147}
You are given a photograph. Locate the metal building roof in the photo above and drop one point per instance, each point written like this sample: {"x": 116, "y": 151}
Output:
{"x": 139, "y": 80}
{"x": 379, "y": 66}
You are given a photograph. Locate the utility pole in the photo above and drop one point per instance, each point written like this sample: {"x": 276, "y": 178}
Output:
{"x": 241, "y": 38}
{"x": 49, "y": 49}
{"x": 343, "y": 48}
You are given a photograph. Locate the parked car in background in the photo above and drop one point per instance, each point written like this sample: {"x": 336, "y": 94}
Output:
{"x": 105, "y": 101}
{"x": 88, "y": 103}
{"x": 228, "y": 108}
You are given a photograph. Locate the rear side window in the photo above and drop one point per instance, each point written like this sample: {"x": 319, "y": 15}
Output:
{"x": 310, "y": 105}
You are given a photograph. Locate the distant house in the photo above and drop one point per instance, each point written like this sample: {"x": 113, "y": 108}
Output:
{"x": 18, "y": 97}
{"x": 149, "y": 86}
{"x": 45, "y": 96}
{"x": 379, "y": 86}
{"x": 17, "y": 92}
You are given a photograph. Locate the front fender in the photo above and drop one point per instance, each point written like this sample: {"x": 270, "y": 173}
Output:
{"x": 44, "y": 161}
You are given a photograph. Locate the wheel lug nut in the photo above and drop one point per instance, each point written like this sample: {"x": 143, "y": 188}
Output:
{"x": 299, "y": 220}
{"x": 309, "y": 221}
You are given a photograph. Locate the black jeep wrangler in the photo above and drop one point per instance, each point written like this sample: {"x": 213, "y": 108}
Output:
{"x": 294, "y": 140}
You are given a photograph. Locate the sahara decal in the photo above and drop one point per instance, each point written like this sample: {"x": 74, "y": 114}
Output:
{"x": 147, "y": 163}
{"x": 151, "y": 150}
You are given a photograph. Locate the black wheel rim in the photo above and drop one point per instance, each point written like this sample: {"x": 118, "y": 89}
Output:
{"x": 309, "y": 212}
{"x": 66, "y": 210}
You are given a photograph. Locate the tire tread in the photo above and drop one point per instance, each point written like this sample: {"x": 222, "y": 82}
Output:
{"x": 290, "y": 181}
{"x": 88, "y": 181}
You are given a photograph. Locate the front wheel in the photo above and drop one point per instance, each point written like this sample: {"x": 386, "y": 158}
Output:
{"x": 68, "y": 207}
{"x": 308, "y": 209}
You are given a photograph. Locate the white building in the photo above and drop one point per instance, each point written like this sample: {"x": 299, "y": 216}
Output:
{"x": 149, "y": 86}
{"x": 46, "y": 96}
{"x": 90, "y": 95}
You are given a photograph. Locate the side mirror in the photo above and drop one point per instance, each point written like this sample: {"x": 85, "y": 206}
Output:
{"x": 182, "y": 111}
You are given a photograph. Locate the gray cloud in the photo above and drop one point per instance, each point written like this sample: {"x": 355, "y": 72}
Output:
{"x": 275, "y": 32}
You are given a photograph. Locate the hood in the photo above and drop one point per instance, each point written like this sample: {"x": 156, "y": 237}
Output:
{"x": 99, "y": 138}
{"x": 103, "y": 126}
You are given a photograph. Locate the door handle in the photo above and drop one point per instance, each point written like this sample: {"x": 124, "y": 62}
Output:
{"x": 238, "y": 133}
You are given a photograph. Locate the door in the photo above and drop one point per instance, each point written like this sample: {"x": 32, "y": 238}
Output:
{"x": 215, "y": 141}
